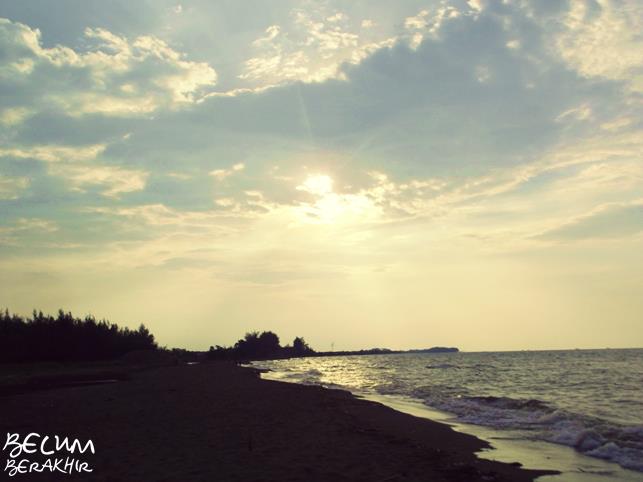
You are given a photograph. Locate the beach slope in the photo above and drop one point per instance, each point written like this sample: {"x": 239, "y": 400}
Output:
{"x": 221, "y": 422}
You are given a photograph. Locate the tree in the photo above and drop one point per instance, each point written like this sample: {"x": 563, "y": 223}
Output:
{"x": 66, "y": 338}
{"x": 300, "y": 347}
{"x": 260, "y": 346}
{"x": 268, "y": 343}
{"x": 255, "y": 345}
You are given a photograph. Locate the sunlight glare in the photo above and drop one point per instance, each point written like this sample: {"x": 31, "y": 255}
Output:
{"x": 318, "y": 185}
{"x": 331, "y": 207}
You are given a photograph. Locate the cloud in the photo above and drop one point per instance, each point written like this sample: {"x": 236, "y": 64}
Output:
{"x": 478, "y": 110}
{"x": 13, "y": 233}
{"x": 456, "y": 103}
{"x": 112, "y": 75}
{"x": 54, "y": 153}
{"x": 221, "y": 174}
{"x": 461, "y": 102}
{"x": 310, "y": 48}
{"x": 11, "y": 187}
{"x": 614, "y": 220}
{"x": 428, "y": 22}
{"x": 603, "y": 39}
{"x": 418, "y": 21}
{"x": 114, "y": 180}
{"x": 13, "y": 116}
{"x": 160, "y": 215}
{"x": 475, "y": 4}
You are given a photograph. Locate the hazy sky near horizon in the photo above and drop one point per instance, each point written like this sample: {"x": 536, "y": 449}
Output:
{"x": 400, "y": 174}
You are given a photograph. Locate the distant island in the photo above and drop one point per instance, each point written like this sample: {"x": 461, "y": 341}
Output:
{"x": 435, "y": 349}
{"x": 387, "y": 351}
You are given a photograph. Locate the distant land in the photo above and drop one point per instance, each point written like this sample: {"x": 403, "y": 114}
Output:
{"x": 387, "y": 351}
{"x": 29, "y": 340}
{"x": 266, "y": 346}
{"x": 435, "y": 349}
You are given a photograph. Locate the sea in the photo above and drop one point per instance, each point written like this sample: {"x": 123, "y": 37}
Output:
{"x": 576, "y": 411}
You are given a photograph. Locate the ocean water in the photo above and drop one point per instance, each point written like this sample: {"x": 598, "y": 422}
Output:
{"x": 589, "y": 400}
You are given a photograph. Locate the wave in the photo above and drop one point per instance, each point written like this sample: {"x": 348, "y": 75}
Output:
{"x": 307, "y": 377}
{"x": 553, "y": 410}
{"x": 536, "y": 419}
{"x": 539, "y": 420}
{"x": 442, "y": 365}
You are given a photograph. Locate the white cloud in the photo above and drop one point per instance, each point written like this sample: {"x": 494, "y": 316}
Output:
{"x": 604, "y": 39}
{"x": 114, "y": 75}
{"x": 225, "y": 202}
{"x": 337, "y": 17}
{"x": 271, "y": 34}
{"x": 221, "y": 174}
{"x": 610, "y": 220}
{"x": 53, "y": 153}
{"x": 14, "y": 116}
{"x": 74, "y": 164}
{"x": 114, "y": 180}
{"x": 311, "y": 48}
{"x": 427, "y": 22}
{"x": 617, "y": 124}
{"x": 182, "y": 176}
{"x": 580, "y": 113}
{"x": 173, "y": 220}
{"x": 11, "y": 187}
{"x": 475, "y": 5}
{"x": 12, "y": 234}
{"x": 418, "y": 21}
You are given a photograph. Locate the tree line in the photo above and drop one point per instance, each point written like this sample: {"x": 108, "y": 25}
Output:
{"x": 260, "y": 346}
{"x": 66, "y": 338}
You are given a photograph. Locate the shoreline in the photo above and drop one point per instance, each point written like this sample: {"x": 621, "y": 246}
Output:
{"x": 508, "y": 401}
{"x": 508, "y": 447}
{"x": 219, "y": 421}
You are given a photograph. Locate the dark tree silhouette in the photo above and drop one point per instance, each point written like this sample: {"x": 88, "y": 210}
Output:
{"x": 255, "y": 345}
{"x": 268, "y": 343}
{"x": 65, "y": 338}
{"x": 300, "y": 347}
{"x": 260, "y": 346}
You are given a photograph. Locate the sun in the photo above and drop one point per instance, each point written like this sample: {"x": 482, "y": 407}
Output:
{"x": 318, "y": 185}
{"x": 330, "y": 207}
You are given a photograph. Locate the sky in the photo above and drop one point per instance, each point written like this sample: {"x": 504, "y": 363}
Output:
{"x": 364, "y": 174}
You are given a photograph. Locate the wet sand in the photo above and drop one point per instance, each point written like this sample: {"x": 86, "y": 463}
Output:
{"x": 221, "y": 422}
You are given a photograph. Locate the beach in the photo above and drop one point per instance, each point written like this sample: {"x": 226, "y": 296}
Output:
{"x": 221, "y": 422}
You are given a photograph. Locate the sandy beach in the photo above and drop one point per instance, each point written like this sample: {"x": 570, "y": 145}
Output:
{"x": 221, "y": 422}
